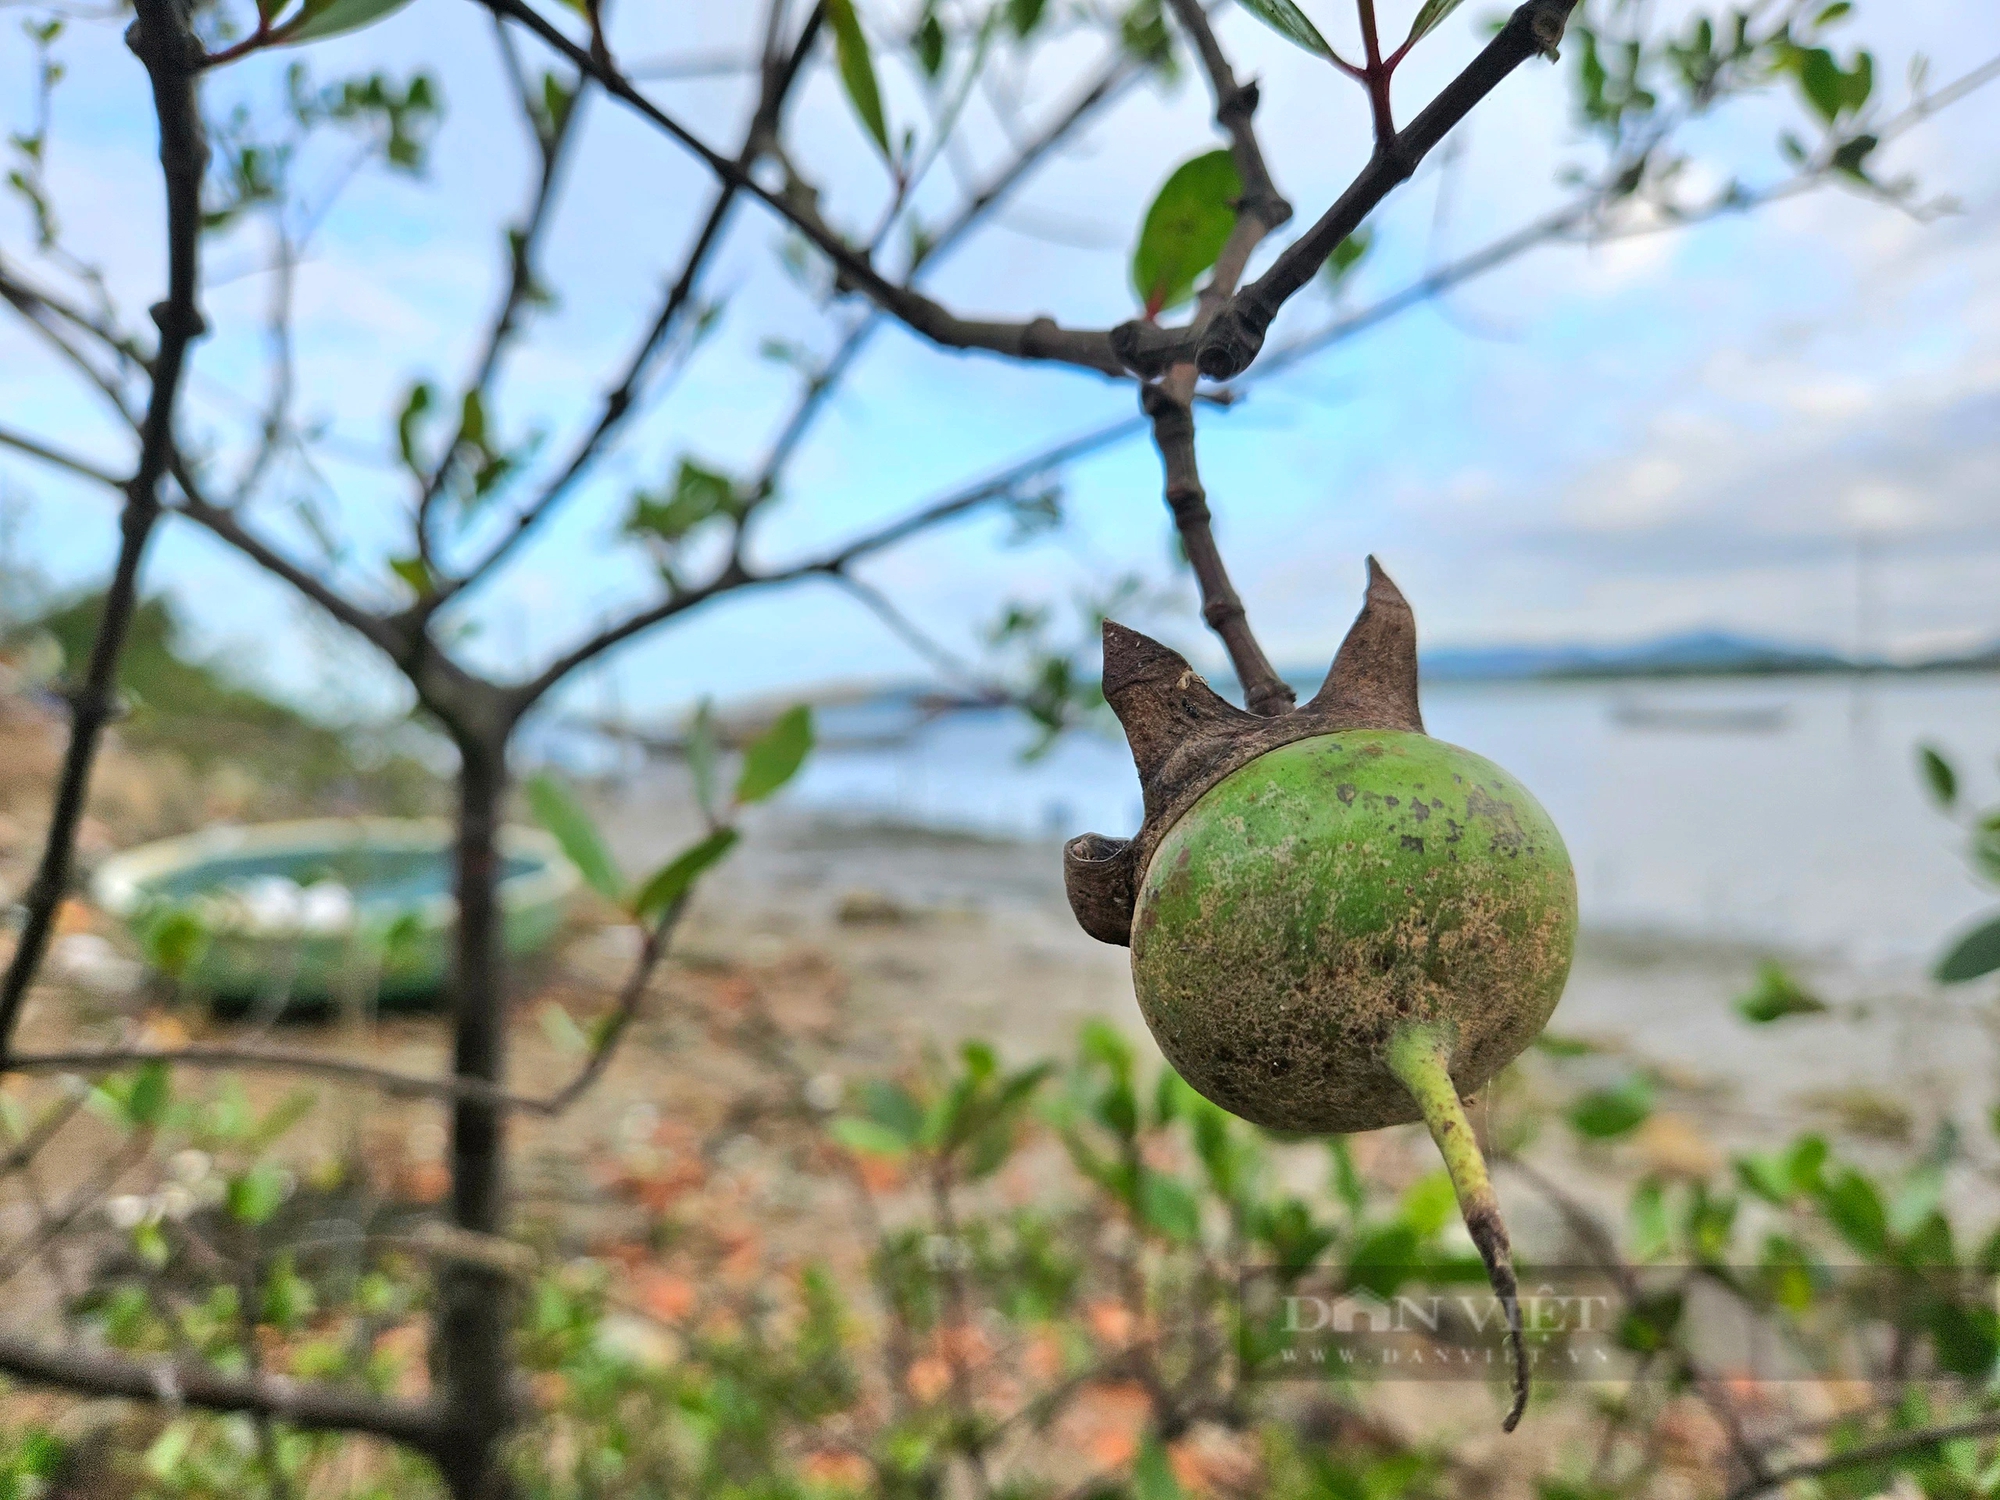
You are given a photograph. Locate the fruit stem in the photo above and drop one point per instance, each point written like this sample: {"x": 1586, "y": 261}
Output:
{"x": 1420, "y": 1057}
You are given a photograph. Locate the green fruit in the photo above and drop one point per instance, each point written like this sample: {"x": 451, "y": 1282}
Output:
{"x": 1333, "y": 892}
{"x": 1337, "y": 923}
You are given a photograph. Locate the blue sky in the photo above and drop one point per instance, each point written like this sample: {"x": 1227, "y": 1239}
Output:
{"x": 1687, "y": 430}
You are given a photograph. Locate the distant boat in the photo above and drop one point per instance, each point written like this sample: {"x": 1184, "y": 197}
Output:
{"x": 1694, "y": 718}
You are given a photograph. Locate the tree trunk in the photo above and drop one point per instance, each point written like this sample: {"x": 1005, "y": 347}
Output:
{"x": 475, "y": 1312}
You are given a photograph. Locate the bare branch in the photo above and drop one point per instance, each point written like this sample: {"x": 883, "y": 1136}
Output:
{"x": 948, "y": 662}
{"x": 1901, "y": 1445}
{"x": 385, "y": 634}
{"x": 1169, "y": 405}
{"x": 1264, "y": 691}
{"x": 1602, "y": 1245}
{"x": 1118, "y": 76}
{"x": 1036, "y": 339}
{"x": 319, "y": 1408}
{"x": 621, "y": 401}
{"x": 734, "y": 576}
{"x": 23, "y": 294}
{"x": 39, "y": 314}
{"x": 56, "y": 458}
{"x": 171, "y": 55}
{"x": 1229, "y": 342}
{"x": 658, "y": 936}
{"x": 522, "y": 242}
{"x": 96, "y": 1061}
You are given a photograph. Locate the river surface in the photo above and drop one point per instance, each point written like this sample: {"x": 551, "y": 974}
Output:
{"x": 1775, "y": 812}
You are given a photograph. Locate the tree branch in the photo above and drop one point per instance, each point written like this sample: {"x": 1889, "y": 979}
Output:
{"x": 522, "y": 243}
{"x": 56, "y": 458}
{"x": 658, "y": 936}
{"x": 1169, "y": 405}
{"x": 319, "y": 1408}
{"x": 379, "y": 631}
{"x": 1376, "y": 75}
{"x": 1229, "y": 342}
{"x": 1870, "y": 1453}
{"x": 734, "y": 576}
{"x": 37, "y": 312}
{"x": 1264, "y": 691}
{"x": 1036, "y": 339}
{"x": 1120, "y": 74}
{"x": 94, "y": 1061}
{"x": 621, "y": 401}
{"x": 171, "y": 56}
{"x": 1603, "y": 1245}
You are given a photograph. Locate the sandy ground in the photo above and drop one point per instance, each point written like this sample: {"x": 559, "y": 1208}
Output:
{"x": 859, "y": 946}
{"x": 943, "y": 937}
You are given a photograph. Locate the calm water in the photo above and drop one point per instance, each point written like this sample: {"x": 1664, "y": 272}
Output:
{"x": 1781, "y": 812}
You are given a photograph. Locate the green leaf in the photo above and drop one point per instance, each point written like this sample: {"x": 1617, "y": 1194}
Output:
{"x": 280, "y": 1118}
{"x": 1776, "y": 996}
{"x": 1973, "y": 956}
{"x": 1185, "y": 230}
{"x": 472, "y": 420}
{"x": 415, "y": 572}
{"x": 1025, "y": 15}
{"x": 416, "y": 406}
{"x": 892, "y": 1106}
{"x": 1429, "y": 1204}
{"x": 1347, "y": 1184}
{"x": 1831, "y": 89}
{"x": 257, "y": 1194}
{"x": 701, "y": 755}
{"x": 1565, "y": 1046}
{"x": 1346, "y": 256}
{"x": 1938, "y": 775}
{"x": 776, "y": 755}
{"x": 1168, "y": 1207}
{"x": 698, "y": 494}
{"x": 324, "y": 18}
{"x": 857, "y": 70}
{"x": 1652, "y": 1230}
{"x": 556, "y": 100}
{"x": 1613, "y": 1112}
{"x": 1153, "y": 1476}
{"x": 867, "y": 1137}
{"x": 929, "y": 41}
{"x": 146, "y": 1100}
{"x": 1854, "y": 1207}
{"x": 677, "y": 877}
{"x": 1290, "y": 23}
{"x": 1430, "y": 18}
{"x": 1852, "y": 157}
{"x": 581, "y": 843}
{"x": 560, "y": 1027}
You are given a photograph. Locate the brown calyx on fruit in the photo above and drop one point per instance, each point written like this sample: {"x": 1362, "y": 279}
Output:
{"x": 1185, "y": 737}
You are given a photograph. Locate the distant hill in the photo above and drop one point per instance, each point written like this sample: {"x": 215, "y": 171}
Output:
{"x": 1692, "y": 653}
{"x": 1695, "y": 653}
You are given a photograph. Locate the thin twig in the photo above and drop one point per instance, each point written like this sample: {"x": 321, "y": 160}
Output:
{"x": 321, "y": 1408}
{"x": 1227, "y": 344}
{"x": 1603, "y": 1246}
{"x": 1871, "y": 1453}
{"x": 1035, "y": 339}
{"x": 622, "y": 400}
{"x": 1169, "y": 404}
{"x": 101, "y": 1060}
{"x": 170, "y": 52}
